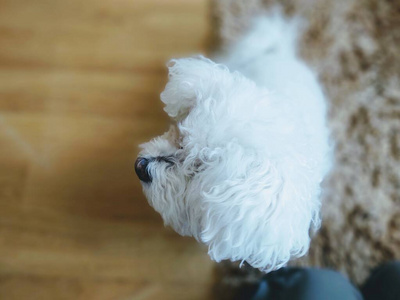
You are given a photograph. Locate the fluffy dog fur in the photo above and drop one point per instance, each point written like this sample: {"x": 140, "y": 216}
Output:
{"x": 354, "y": 48}
{"x": 240, "y": 170}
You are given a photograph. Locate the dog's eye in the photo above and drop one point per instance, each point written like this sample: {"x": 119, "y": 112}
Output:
{"x": 141, "y": 169}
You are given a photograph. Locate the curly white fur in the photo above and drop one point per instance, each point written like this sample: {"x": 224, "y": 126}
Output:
{"x": 240, "y": 169}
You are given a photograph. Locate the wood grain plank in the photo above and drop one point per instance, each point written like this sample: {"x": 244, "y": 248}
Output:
{"x": 79, "y": 91}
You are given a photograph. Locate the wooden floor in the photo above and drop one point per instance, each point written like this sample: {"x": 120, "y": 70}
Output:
{"x": 79, "y": 90}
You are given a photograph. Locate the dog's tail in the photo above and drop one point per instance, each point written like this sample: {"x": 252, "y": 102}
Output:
{"x": 270, "y": 34}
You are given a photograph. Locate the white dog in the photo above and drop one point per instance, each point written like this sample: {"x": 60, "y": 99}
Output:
{"x": 240, "y": 169}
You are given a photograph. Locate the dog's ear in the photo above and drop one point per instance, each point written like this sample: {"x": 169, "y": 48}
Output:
{"x": 190, "y": 81}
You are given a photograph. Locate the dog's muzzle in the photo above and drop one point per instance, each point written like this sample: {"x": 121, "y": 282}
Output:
{"x": 141, "y": 169}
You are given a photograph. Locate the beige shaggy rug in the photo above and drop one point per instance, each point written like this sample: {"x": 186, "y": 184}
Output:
{"x": 354, "y": 46}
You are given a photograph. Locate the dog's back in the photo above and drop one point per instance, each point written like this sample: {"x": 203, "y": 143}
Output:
{"x": 267, "y": 54}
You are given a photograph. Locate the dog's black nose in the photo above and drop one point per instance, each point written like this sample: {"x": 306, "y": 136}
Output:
{"x": 141, "y": 169}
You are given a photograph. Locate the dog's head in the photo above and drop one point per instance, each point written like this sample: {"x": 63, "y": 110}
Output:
{"x": 216, "y": 174}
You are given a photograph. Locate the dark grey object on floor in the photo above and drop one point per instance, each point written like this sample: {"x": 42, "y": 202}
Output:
{"x": 305, "y": 284}
{"x": 316, "y": 284}
{"x": 384, "y": 283}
